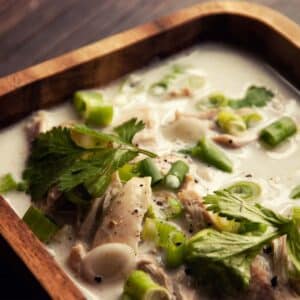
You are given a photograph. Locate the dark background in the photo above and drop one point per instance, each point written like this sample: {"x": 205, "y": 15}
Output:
{"x": 34, "y": 30}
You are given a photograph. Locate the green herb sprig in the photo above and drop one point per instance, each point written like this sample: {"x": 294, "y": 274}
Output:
{"x": 58, "y": 159}
{"x": 224, "y": 253}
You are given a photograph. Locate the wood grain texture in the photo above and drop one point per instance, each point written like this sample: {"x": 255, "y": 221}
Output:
{"x": 258, "y": 28}
{"x": 262, "y": 30}
{"x": 32, "y": 31}
{"x": 35, "y": 256}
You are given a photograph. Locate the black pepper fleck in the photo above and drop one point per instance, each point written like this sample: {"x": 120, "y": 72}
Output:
{"x": 141, "y": 185}
{"x": 248, "y": 175}
{"x": 98, "y": 279}
{"x": 178, "y": 244}
{"x": 159, "y": 203}
{"x": 274, "y": 281}
{"x": 196, "y": 181}
{"x": 187, "y": 271}
{"x": 267, "y": 249}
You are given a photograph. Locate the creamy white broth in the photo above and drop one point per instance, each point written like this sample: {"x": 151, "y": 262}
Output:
{"x": 223, "y": 69}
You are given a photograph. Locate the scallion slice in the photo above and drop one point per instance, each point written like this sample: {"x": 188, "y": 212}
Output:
{"x": 147, "y": 167}
{"x": 90, "y": 105}
{"x": 7, "y": 183}
{"x": 231, "y": 122}
{"x": 140, "y": 286}
{"x": 210, "y": 153}
{"x": 247, "y": 190}
{"x": 278, "y": 131}
{"x": 40, "y": 224}
{"x": 176, "y": 174}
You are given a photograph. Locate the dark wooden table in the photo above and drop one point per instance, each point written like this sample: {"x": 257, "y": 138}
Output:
{"x": 34, "y": 30}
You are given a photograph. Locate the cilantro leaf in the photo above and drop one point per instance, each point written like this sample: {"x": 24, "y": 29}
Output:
{"x": 98, "y": 164}
{"x": 255, "y": 96}
{"x": 56, "y": 159}
{"x": 232, "y": 253}
{"x": 52, "y": 152}
{"x": 231, "y": 206}
{"x": 224, "y": 253}
{"x": 127, "y": 130}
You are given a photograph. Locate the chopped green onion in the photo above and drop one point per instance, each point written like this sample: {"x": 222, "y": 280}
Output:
{"x": 40, "y": 224}
{"x": 278, "y": 131}
{"x": 176, "y": 174}
{"x": 128, "y": 171}
{"x": 230, "y": 122}
{"x": 160, "y": 87}
{"x": 252, "y": 119}
{"x": 210, "y": 153}
{"x": 247, "y": 190}
{"x": 168, "y": 237}
{"x": 147, "y": 167}
{"x": 7, "y": 183}
{"x": 174, "y": 208}
{"x": 91, "y": 107}
{"x": 296, "y": 215}
{"x": 217, "y": 100}
{"x": 295, "y": 193}
{"x": 140, "y": 286}
{"x": 149, "y": 232}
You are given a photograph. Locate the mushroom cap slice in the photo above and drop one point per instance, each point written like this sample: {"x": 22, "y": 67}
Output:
{"x": 110, "y": 261}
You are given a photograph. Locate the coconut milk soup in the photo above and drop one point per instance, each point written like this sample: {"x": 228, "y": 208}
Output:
{"x": 128, "y": 204}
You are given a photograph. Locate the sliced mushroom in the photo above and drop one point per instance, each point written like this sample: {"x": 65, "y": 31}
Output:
{"x": 108, "y": 262}
{"x": 186, "y": 128}
{"x": 123, "y": 219}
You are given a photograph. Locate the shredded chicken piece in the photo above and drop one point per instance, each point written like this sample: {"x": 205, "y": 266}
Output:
{"x": 183, "y": 93}
{"x": 75, "y": 257}
{"x": 280, "y": 259}
{"x": 265, "y": 284}
{"x": 122, "y": 222}
{"x": 147, "y": 136}
{"x": 234, "y": 142}
{"x": 92, "y": 219}
{"x": 196, "y": 213}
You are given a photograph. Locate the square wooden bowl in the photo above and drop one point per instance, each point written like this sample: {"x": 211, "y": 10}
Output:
{"x": 259, "y": 29}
